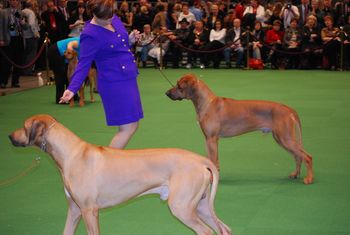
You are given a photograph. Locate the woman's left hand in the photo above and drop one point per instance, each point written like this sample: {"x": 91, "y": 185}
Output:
{"x": 66, "y": 97}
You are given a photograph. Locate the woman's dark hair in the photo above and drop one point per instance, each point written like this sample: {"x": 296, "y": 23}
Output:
{"x": 294, "y": 19}
{"x": 219, "y": 21}
{"x": 160, "y": 7}
{"x": 102, "y": 9}
{"x": 258, "y": 22}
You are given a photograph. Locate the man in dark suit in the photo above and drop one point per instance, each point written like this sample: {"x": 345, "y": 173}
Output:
{"x": 54, "y": 23}
{"x": 304, "y": 10}
{"x": 342, "y": 10}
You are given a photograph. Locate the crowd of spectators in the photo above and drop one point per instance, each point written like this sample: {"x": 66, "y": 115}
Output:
{"x": 295, "y": 34}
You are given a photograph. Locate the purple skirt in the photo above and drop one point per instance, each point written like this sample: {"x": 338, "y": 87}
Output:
{"x": 121, "y": 101}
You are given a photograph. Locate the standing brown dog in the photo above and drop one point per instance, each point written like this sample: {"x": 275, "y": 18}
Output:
{"x": 225, "y": 117}
{"x": 72, "y": 57}
{"x": 97, "y": 177}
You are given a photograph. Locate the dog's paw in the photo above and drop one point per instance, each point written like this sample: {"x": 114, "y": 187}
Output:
{"x": 293, "y": 175}
{"x": 308, "y": 180}
{"x": 81, "y": 103}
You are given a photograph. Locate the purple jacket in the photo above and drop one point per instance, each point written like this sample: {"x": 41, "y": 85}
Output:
{"x": 110, "y": 51}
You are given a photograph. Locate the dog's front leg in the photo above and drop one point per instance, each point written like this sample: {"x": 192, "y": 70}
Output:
{"x": 90, "y": 216}
{"x": 212, "y": 150}
{"x": 73, "y": 217}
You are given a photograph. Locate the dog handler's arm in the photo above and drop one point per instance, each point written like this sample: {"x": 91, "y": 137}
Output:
{"x": 73, "y": 45}
{"x": 88, "y": 48}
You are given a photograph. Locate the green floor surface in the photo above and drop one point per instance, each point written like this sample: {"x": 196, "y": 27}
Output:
{"x": 255, "y": 197}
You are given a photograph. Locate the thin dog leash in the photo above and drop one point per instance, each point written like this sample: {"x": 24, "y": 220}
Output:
{"x": 165, "y": 77}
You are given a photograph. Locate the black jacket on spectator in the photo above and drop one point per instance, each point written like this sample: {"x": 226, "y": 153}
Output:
{"x": 140, "y": 20}
{"x": 307, "y": 41}
{"x": 182, "y": 36}
{"x": 231, "y": 34}
{"x": 210, "y": 24}
{"x": 74, "y": 17}
{"x": 175, "y": 51}
{"x": 203, "y": 37}
{"x": 303, "y": 17}
{"x": 342, "y": 12}
{"x": 272, "y": 19}
{"x": 55, "y": 33}
{"x": 328, "y": 12}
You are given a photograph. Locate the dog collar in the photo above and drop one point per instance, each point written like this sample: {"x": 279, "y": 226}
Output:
{"x": 43, "y": 145}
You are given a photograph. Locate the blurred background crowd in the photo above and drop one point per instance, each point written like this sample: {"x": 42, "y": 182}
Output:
{"x": 296, "y": 34}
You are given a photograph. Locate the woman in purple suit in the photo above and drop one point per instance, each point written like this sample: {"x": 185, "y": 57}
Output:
{"x": 105, "y": 41}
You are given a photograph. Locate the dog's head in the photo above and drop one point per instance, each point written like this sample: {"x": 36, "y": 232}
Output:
{"x": 184, "y": 89}
{"x": 32, "y": 131}
{"x": 70, "y": 54}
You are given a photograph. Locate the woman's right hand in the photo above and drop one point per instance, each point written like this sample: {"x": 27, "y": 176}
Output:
{"x": 66, "y": 97}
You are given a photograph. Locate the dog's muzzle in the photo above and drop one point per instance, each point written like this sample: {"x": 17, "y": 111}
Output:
{"x": 170, "y": 94}
{"x": 15, "y": 142}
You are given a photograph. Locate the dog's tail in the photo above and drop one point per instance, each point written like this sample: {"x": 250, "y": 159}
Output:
{"x": 214, "y": 179}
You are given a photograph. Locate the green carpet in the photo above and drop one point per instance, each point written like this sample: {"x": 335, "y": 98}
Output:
{"x": 255, "y": 197}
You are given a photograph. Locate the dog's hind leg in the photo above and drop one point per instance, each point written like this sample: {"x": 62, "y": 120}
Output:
{"x": 188, "y": 215}
{"x": 90, "y": 216}
{"x": 209, "y": 217}
{"x": 73, "y": 217}
{"x": 287, "y": 139}
{"x": 183, "y": 201}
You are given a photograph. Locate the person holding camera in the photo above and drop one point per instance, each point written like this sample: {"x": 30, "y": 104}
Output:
{"x": 11, "y": 42}
{"x": 289, "y": 12}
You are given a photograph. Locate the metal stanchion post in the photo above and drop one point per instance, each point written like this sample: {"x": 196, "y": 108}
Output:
{"x": 247, "y": 43}
{"x": 46, "y": 41}
{"x": 342, "y": 37}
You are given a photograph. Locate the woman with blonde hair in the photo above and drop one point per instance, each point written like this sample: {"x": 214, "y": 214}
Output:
{"x": 126, "y": 16}
{"x": 311, "y": 43}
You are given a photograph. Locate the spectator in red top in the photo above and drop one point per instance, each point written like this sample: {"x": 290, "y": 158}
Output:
{"x": 239, "y": 10}
{"x": 274, "y": 38}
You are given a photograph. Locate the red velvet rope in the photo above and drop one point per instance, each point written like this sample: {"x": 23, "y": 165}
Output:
{"x": 27, "y": 65}
{"x": 290, "y": 52}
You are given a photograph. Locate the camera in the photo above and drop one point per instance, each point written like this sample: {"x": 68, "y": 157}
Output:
{"x": 288, "y": 6}
{"x": 17, "y": 15}
{"x": 12, "y": 27}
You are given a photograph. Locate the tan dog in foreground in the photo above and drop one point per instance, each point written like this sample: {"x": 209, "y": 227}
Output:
{"x": 97, "y": 177}
{"x": 72, "y": 58}
{"x": 225, "y": 117}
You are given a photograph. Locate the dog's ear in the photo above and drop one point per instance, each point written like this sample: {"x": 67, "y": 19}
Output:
{"x": 190, "y": 83}
{"x": 36, "y": 129}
